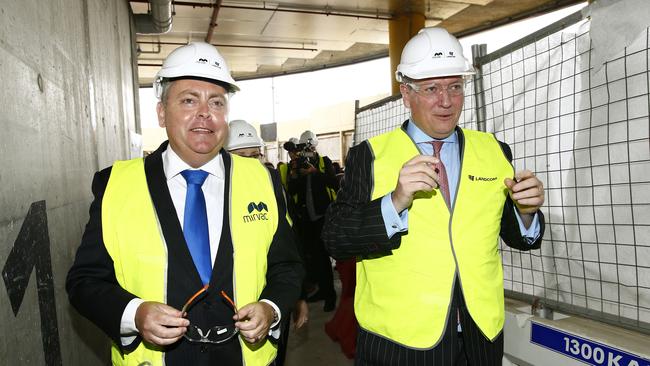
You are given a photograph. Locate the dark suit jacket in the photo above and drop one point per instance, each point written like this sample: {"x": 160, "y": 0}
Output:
{"x": 93, "y": 289}
{"x": 354, "y": 227}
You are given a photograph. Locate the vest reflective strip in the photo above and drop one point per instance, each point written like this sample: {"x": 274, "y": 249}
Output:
{"x": 419, "y": 274}
{"x": 128, "y": 217}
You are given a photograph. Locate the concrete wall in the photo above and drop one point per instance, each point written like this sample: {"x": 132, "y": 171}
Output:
{"x": 68, "y": 109}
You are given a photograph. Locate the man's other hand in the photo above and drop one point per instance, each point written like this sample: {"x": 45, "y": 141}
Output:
{"x": 160, "y": 324}
{"x": 526, "y": 191}
{"x": 254, "y": 321}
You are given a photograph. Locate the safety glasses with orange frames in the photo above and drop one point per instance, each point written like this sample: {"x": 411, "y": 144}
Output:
{"x": 216, "y": 334}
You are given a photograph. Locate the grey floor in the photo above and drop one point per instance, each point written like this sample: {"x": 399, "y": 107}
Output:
{"x": 310, "y": 345}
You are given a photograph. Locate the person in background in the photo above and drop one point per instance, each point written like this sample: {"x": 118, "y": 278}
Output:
{"x": 244, "y": 141}
{"x": 343, "y": 327}
{"x": 291, "y": 148}
{"x": 313, "y": 185}
{"x": 421, "y": 209}
{"x": 180, "y": 262}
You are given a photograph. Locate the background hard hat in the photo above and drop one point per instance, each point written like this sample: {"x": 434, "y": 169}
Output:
{"x": 242, "y": 135}
{"x": 291, "y": 144}
{"x": 308, "y": 137}
{"x": 433, "y": 52}
{"x": 197, "y": 59}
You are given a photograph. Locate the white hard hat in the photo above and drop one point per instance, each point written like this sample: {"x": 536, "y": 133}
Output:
{"x": 242, "y": 135}
{"x": 294, "y": 140}
{"x": 433, "y": 52}
{"x": 308, "y": 137}
{"x": 196, "y": 59}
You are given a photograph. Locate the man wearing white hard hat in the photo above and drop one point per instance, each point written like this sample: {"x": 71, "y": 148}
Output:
{"x": 422, "y": 208}
{"x": 244, "y": 141}
{"x": 181, "y": 263}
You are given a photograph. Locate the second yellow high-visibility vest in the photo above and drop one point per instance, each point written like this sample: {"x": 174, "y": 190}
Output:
{"x": 406, "y": 296}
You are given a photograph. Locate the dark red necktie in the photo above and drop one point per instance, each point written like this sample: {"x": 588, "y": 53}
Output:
{"x": 442, "y": 173}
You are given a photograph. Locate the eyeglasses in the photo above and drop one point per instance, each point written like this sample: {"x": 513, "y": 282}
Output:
{"x": 256, "y": 156}
{"x": 434, "y": 90}
{"x": 218, "y": 333}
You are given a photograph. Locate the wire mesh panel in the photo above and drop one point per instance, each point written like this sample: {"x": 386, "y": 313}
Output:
{"x": 379, "y": 117}
{"x": 585, "y": 133}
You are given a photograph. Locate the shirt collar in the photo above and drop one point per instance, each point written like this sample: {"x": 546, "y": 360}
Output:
{"x": 174, "y": 165}
{"x": 420, "y": 137}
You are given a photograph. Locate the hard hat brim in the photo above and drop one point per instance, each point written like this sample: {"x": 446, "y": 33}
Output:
{"x": 243, "y": 146}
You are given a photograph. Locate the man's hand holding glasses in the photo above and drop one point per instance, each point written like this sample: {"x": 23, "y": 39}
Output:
{"x": 160, "y": 324}
{"x": 254, "y": 321}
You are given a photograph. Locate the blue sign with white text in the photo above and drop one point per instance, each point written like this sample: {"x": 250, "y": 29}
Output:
{"x": 581, "y": 349}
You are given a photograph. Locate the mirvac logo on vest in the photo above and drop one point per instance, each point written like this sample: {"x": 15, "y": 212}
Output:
{"x": 474, "y": 178}
{"x": 260, "y": 214}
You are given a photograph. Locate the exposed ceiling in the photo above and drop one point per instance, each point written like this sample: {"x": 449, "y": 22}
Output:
{"x": 261, "y": 38}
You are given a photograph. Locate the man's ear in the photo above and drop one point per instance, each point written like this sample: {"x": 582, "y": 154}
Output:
{"x": 160, "y": 110}
{"x": 404, "y": 90}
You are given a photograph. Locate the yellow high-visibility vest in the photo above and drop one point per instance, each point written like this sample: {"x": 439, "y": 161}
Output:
{"x": 330, "y": 191}
{"x": 406, "y": 296}
{"x": 134, "y": 240}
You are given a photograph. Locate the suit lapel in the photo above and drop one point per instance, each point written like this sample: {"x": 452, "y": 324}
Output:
{"x": 180, "y": 264}
{"x": 223, "y": 264}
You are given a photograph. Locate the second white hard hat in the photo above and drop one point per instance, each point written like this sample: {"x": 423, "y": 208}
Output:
{"x": 196, "y": 59}
{"x": 308, "y": 137}
{"x": 242, "y": 135}
{"x": 433, "y": 52}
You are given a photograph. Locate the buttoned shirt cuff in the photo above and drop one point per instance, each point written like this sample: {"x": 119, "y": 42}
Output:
{"x": 128, "y": 330}
{"x": 275, "y": 333}
{"x": 532, "y": 233}
{"x": 394, "y": 222}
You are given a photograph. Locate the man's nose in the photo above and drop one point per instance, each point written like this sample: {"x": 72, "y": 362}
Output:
{"x": 444, "y": 98}
{"x": 204, "y": 109}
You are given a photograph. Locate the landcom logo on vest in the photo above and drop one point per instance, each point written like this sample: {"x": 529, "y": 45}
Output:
{"x": 260, "y": 214}
{"x": 474, "y": 178}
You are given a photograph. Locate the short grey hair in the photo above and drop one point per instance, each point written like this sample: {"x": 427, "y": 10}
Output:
{"x": 164, "y": 86}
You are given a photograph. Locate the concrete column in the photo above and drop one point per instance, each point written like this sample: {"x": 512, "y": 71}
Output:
{"x": 400, "y": 29}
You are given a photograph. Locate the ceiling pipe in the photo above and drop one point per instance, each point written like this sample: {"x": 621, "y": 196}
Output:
{"x": 328, "y": 12}
{"x": 231, "y": 45}
{"x": 213, "y": 21}
{"x": 157, "y": 21}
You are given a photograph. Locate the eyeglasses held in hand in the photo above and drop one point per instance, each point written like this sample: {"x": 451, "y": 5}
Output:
{"x": 216, "y": 334}
{"x": 434, "y": 90}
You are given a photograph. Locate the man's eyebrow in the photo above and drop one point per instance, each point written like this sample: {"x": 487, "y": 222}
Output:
{"x": 196, "y": 93}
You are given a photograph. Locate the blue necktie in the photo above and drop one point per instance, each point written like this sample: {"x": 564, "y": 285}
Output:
{"x": 195, "y": 223}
